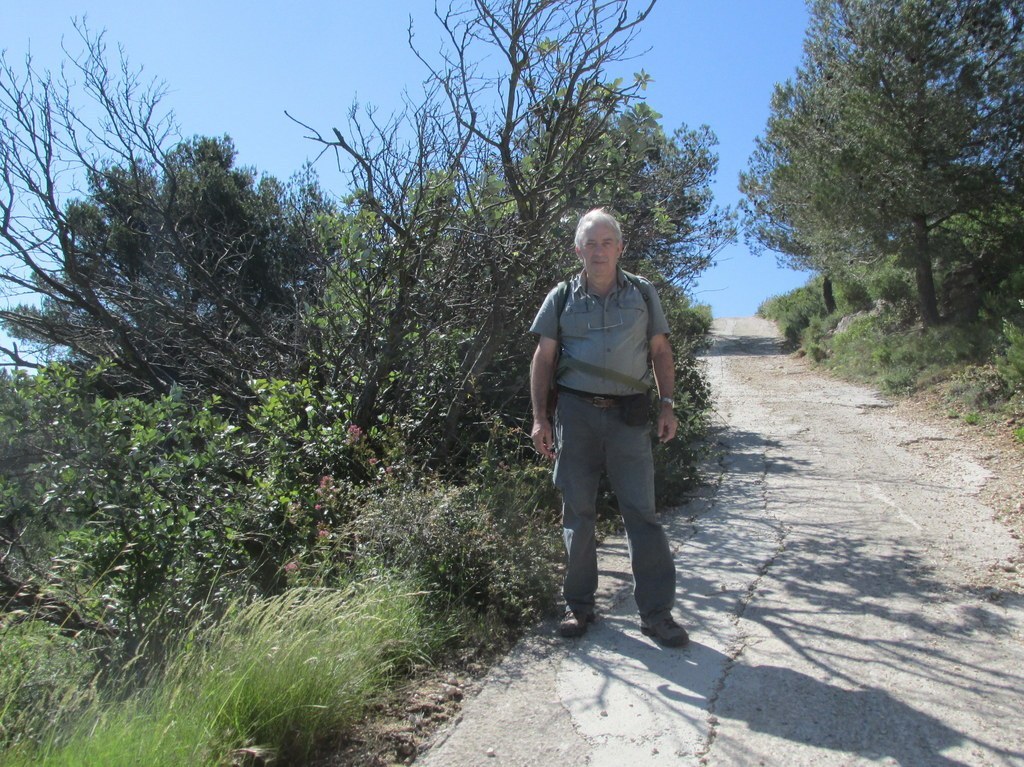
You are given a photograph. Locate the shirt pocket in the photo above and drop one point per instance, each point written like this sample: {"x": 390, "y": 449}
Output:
{"x": 575, "y": 321}
{"x": 634, "y": 311}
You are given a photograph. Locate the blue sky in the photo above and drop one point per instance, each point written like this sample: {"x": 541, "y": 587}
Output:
{"x": 234, "y": 67}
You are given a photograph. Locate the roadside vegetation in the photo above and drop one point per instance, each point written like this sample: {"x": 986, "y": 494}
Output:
{"x": 262, "y": 450}
{"x": 971, "y": 367}
{"x": 891, "y": 168}
{"x": 263, "y": 455}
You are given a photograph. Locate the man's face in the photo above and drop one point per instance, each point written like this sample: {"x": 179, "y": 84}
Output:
{"x": 600, "y": 250}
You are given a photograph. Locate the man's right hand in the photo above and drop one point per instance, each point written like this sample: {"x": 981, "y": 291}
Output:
{"x": 544, "y": 438}
{"x": 542, "y": 370}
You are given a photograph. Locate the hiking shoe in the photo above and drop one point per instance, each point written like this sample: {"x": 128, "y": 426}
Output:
{"x": 665, "y": 631}
{"x": 574, "y": 624}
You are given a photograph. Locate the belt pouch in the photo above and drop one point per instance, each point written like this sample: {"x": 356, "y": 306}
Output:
{"x": 636, "y": 409}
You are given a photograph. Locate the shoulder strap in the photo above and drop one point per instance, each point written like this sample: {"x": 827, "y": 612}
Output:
{"x": 639, "y": 282}
{"x": 562, "y": 296}
{"x": 561, "y": 299}
{"x": 613, "y": 375}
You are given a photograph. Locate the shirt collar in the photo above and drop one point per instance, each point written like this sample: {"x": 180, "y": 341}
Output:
{"x": 580, "y": 281}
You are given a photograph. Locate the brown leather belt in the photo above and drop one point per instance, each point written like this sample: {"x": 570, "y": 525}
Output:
{"x": 597, "y": 400}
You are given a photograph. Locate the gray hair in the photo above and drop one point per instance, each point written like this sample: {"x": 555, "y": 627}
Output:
{"x": 596, "y": 216}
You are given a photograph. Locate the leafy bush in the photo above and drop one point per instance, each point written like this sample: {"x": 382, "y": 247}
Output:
{"x": 676, "y": 464}
{"x": 489, "y": 547}
{"x": 161, "y": 513}
{"x": 1011, "y": 364}
{"x": 140, "y": 502}
{"x": 890, "y": 284}
{"x": 853, "y": 296}
{"x": 794, "y": 311}
{"x": 875, "y": 350}
{"x": 975, "y": 387}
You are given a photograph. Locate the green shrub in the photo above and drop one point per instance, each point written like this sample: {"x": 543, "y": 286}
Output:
{"x": 1003, "y": 303}
{"x": 852, "y": 296}
{"x": 975, "y": 387}
{"x": 156, "y": 513}
{"x": 793, "y": 311}
{"x": 876, "y": 350}
{"x": 818, "y": 329}
{"x": 489, "y": 547}
{"x": 1011, "y": 364}
{"x": 676, "y": 463}
{"x": 891, "y": 284}
{"x": 142, "y": 504}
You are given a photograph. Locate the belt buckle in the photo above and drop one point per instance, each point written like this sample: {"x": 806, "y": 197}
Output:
{"x": 603, "y": 402}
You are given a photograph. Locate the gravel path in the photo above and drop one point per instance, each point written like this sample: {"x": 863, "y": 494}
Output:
{"x": 834, "y": 580}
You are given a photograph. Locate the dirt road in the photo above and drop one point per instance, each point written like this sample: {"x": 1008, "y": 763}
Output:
{"x": 836, "y": 578}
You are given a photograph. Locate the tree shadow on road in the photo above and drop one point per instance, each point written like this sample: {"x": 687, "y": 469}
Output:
{"x": 878, "y": 641}
{"x": 793, "y": 706}
{"x": 746, "y": 346}
{"x": 867, "y": 721}
{"x": 700, "y": 686}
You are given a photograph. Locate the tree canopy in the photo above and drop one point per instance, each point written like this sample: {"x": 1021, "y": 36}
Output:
{"x": 180, "y": 267}
{"x": 408, "y": 297}
{"x": 903, "y": 121}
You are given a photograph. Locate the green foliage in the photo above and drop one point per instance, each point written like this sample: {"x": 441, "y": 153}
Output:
{"x": 874, "y": 350}
{"x": 976, "y": 388}
{"x": 1011, "y": 364}
{"x": 676, "y": 463}
{"x": 853, "y": 295}
{"x": 886, "y": 282}
{"x": 120, "y": 486}
{"x": 45, "y": 680}
{"x": 794, "y": 311}
{"x": 488, "y": 548}
{"x": 279, "y": 676}
{"x": 160, "y": 510}
{"x": 846, "y": 178}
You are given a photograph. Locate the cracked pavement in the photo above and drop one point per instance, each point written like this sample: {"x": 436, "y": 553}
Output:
{"x": 831, "y": 575}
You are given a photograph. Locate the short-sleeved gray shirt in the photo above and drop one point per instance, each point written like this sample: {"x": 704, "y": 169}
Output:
{"x": 612, "y": 332}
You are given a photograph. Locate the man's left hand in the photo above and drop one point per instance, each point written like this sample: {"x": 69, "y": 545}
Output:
{"x": 667, "y": 423}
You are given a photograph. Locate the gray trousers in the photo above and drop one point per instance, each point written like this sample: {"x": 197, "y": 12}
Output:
{"x": 591, "y": 440}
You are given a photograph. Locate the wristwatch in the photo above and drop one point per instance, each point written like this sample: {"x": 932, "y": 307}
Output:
{"x": 668, "y": 401}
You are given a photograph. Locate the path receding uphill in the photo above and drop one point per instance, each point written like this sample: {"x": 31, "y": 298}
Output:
{"x": 833, "y": 579}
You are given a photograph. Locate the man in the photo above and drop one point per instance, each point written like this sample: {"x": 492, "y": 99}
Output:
{"x": 604, "y": 331}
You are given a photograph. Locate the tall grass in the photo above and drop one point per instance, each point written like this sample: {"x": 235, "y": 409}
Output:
{"x": 282, "y": 676}
{"x": 46, "y": 679}
{"x": 872, "y": 350}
